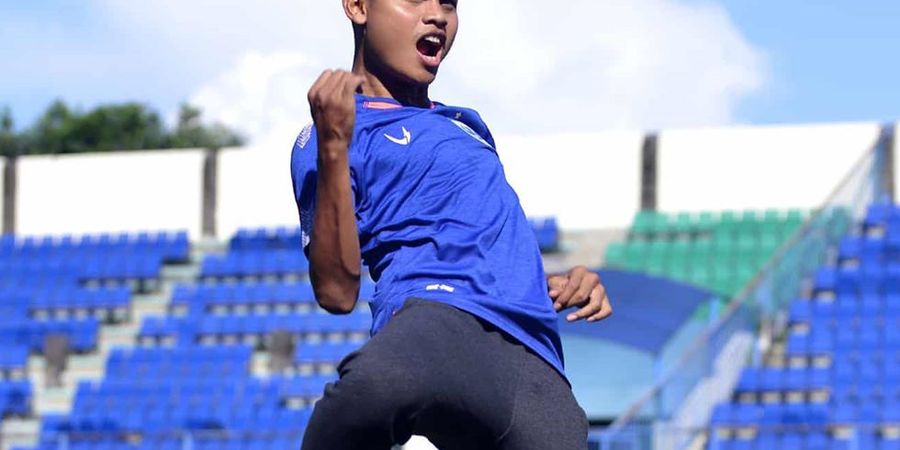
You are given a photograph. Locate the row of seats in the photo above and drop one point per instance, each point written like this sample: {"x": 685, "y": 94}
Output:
{"x": 110, "y": 303}
{"x": 746, "y": 415}
{"x": 652, "y": 224}
{"x": 82, "y": 334}
{"x": 229, "y": 368}
{"x": 234, "y": 417}
{"x": 219, "y": 390}
{"x": 869, "y": 279}
{"x": 174, "y": 390}
{"x": 824, "y": 341}
{"x": 799, "y": 379}
{"x": 866, "y": 249}
{"x": 82, "y": 269}
{"x": 702, "y": 251}
{"x": 231, "y": 329}
{"x": 175, "y": 243}
{"x": 260, "y": 239}
{"x": 254, "y": 264}
{"x": 247, "y": 298}
{"x": 795, "y": 439}
{"x": 546, "y": 230}
{"x": 209, "y": 440}
{"x": 845, "y": 310}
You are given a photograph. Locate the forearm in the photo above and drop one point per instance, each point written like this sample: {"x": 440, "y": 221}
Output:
{"x": 334, "y": 252}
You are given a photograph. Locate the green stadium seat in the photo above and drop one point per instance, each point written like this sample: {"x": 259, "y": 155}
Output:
{"x": 706, "y": 222}
{"x": 682, "y": 224}
{"x": 615, "y": 254}
{"x": 721, "y": 252}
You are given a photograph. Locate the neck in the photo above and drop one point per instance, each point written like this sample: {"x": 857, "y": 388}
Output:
{"x": 378, "y": 85}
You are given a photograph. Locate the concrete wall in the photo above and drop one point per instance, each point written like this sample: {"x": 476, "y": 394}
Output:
{"x": 255, "y": 189}
{"x": 586, "y": 180}
{"x": 153, "y": 190}
{"x": 757, "y": 167}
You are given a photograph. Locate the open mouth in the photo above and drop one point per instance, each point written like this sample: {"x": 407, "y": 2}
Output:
{"x": 430, "y": 48}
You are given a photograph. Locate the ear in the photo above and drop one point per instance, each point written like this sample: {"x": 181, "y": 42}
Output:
{"x": 357, "y": 11}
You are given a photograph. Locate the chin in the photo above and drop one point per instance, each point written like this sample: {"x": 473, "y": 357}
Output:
{"x": 424, "y": 77}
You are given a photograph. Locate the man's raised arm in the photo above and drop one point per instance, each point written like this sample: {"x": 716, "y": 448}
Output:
{"x": 334, "y": 253}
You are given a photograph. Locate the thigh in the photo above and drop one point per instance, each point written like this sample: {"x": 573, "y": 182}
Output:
{"x": 546, "y": 414}
{"x": 432, "y": 370}
{"x": 381, "y": 389}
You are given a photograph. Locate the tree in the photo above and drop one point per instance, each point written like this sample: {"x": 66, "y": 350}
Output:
{"x": 126, "y": 126}
{"x": 190, "y": 132}
{"x": 9, "y": 141}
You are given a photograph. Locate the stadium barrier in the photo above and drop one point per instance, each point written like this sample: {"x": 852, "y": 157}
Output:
{"x": 674, "y": 413}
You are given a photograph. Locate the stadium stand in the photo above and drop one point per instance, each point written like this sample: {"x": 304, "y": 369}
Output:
{"x": 837, "y": 385}
{"x": 192, "y": 374}
{"x": 720, "y": 252}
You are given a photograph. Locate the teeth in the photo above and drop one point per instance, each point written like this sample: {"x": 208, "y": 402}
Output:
{"x": 433, "y": 40}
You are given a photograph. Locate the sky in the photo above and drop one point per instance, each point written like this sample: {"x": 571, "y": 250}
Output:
{"x": 528, "y": 66}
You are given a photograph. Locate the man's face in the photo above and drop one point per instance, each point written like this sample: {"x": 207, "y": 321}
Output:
{"x": 410, "y": 38}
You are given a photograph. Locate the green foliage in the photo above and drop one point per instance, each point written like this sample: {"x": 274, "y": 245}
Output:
{"x": 9, "y": 141}
{"x": 191, "y": 133}
{"x": 126, "y": 126}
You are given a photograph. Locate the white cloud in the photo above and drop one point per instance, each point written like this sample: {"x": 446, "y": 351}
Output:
{"x": 264, "y": 95}
{"x": 528, "y": 66}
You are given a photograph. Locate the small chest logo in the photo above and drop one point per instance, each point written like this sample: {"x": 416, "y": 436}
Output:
{"x": 405, "y": 140}
{"x": 304, "y": 136}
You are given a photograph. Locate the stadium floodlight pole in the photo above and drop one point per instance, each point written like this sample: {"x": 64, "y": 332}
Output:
{"x": 649, "y": 176}
{"x": 9, "y": 192}
{"x": 210, "y": 195}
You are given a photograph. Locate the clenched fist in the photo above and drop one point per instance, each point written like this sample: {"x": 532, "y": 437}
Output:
{"x": 333, "y": 107}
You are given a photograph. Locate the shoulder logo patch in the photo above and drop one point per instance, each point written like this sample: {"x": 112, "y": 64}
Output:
{"x": 471, "y": 132}
{"x": 405, "y": 140}
{"x": 304, "y": 136}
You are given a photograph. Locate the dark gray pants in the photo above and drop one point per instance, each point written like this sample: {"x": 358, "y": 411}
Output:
{"x": 439, "y": 372}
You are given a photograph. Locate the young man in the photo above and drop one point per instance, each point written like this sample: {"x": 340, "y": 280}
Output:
{"x": 465, "y": 347}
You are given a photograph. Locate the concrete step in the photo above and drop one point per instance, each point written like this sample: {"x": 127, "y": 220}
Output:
{"x": 20, "y": 432}
{"x": 207, "y": 246}
{"x": 259, "y": 365}
{"x": 181, "y": 272}
{"x": 55, "y": 400}
{"x": 87, "y": 367}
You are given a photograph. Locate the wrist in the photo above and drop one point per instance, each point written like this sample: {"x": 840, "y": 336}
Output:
{"x": 333, "y": 152}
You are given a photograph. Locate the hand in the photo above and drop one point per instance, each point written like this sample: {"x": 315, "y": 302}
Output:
{"x": 333, "y": 106}
{"x": 580, "y": 288}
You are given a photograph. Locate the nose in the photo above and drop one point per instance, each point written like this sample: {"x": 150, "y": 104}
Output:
{"x": 435, "y": 14}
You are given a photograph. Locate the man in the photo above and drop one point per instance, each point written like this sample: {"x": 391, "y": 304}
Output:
{"x": 465, "y": 347}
